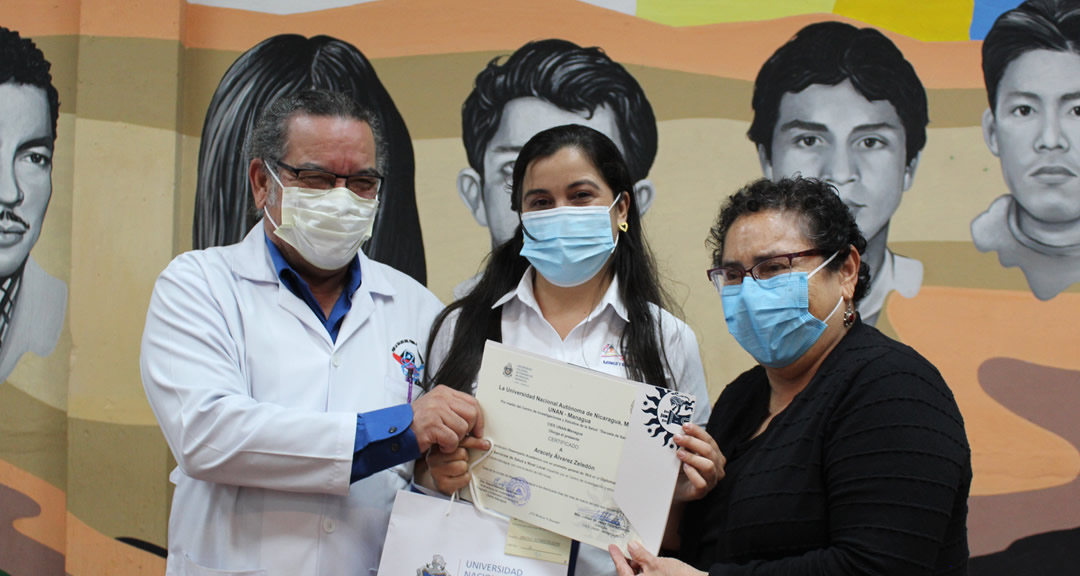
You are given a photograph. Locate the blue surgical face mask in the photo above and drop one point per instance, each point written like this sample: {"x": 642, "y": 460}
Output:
{"x": 570, "y": 244}
{"x": 771, "y": 318}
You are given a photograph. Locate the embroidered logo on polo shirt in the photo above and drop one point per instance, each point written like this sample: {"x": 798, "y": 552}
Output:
{"x": 611, "y": 356}
{"x": 407, "y": 354}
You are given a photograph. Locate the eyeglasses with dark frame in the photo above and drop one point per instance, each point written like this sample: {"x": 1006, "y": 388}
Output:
{"x": 364, "y": 184}
{"x": 769, "y": 268}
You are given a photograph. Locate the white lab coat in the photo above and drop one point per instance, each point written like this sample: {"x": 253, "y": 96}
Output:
{"x": 259, "y": 408}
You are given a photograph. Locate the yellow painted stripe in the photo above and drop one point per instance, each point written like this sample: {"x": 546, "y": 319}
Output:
{"x": 926, "y": 20}
{"x": 700, "y": 12}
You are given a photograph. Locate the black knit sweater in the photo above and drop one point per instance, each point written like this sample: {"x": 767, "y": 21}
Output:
{"x": 867, "y": 471}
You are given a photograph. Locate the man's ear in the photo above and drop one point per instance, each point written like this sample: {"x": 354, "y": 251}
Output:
{"x": 260, "y": 182}
{"x": 471, "y": 189}
{"x": 766, "y": 164}
{"x": 989, "y": 126}
{"x": 909, "y": 171}
{"x": 644, "y": 194}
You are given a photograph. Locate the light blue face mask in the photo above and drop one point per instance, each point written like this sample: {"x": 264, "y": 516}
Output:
{"x": 570, "y": 244}
{"x": 771, "y": 318}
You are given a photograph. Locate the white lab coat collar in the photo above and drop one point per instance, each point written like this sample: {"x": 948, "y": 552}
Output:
{"x": 253, "y": 262}
{"x": 524, "y": 293}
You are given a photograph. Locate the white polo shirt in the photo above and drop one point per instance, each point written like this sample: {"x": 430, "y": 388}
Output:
{"x": 593, "y": 344}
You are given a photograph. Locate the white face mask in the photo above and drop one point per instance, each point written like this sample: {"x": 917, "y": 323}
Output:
{"x": 326, "y": 227}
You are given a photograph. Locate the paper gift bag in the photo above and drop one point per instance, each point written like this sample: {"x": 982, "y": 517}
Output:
{"x": 426, "y": 541}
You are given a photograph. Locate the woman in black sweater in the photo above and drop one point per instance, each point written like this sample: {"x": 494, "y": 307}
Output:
{"x": 845, "y": 450}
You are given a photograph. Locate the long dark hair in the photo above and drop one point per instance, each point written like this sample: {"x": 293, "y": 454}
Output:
{"x": 633, "y": 264}
{"x": 284, "y": 65}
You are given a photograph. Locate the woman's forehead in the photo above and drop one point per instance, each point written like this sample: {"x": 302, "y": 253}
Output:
{"x": 765, "y": 232}
{"x": 565, "y": 167}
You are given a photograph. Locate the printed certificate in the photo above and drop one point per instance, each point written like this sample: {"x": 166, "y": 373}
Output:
{"x": 565, "y": 438}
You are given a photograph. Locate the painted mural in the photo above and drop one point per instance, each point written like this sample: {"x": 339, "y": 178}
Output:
{"x": 544, "y": 84}
{"x": 1032, "y": 72}
{"x": 947, "y": 127}
{"x": 32, "y": 302}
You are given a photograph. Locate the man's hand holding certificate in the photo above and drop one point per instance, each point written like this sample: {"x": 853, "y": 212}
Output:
{"x": 577, "y": 452}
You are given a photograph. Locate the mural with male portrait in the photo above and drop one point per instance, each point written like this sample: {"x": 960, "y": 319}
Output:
{"x": 32, "y": 303}
{"x": 1031, "y": 65}
{"x": 276, "y": 67}
{"x": 1031, "y": 70}
{"x": 842, "y": 104}
{"x": 541, "y": 85}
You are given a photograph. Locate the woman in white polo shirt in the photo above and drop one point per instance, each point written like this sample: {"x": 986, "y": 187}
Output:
{"x": 577, "y": 283}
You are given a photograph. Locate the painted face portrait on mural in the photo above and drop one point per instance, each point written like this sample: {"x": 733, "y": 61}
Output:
{"x": 1032, "y": 71}
{"x": 276, "y": 67}
{"x": 32, "y": 303}
{"x": 842, "y": 104}
{"x": 542, "y": 85}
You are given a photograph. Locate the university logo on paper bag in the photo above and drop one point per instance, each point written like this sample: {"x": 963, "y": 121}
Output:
{"x": 437, "y": 567}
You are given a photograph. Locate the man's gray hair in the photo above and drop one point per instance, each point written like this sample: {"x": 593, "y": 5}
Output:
{"x": 269, "y": 138}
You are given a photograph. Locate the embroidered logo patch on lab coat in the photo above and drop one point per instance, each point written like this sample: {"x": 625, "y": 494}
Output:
{"x": 407, "y": 354}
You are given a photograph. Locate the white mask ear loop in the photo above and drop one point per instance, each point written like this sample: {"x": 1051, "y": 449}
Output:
{"x": 617, "y": 198}
{"x": 282, "y": 187}
{"x": 269, "y": 217}
{"x": 835, "y": 308}
{"x": 823, "y": 264}
{"x": 808, "y": 276}
{"x": 472, "y": 487}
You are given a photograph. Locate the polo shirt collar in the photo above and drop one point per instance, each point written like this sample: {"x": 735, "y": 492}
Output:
{"x": 524, "y": 293}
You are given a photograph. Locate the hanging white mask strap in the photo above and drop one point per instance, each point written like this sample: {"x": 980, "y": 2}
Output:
{"x": 472, "y": 487}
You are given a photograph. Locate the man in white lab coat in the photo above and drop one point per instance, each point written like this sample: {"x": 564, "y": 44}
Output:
{"x": 284, "y": 370}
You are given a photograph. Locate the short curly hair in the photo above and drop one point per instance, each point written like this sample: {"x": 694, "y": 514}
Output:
{"x": 23, "y": 63}
{"x": 827, "y": 223}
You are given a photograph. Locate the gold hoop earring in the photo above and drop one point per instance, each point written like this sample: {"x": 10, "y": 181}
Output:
{"x": 624, "y": 226}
